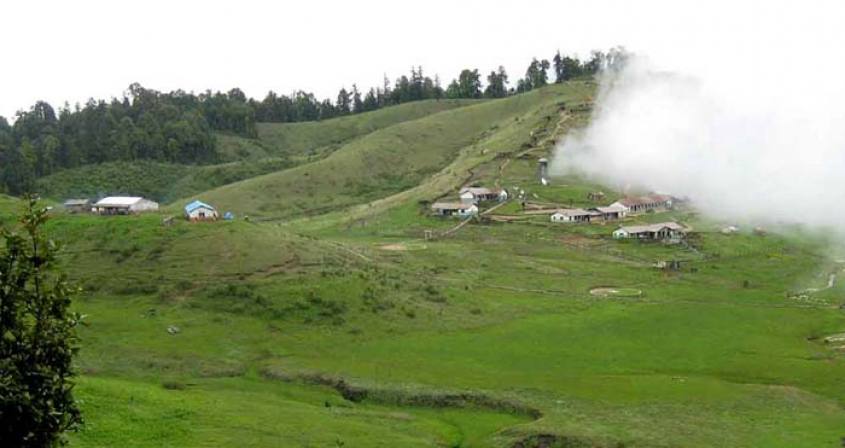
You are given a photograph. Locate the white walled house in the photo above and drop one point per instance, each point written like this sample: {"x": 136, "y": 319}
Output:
{"x": 573, "y": 215}
{"x": 475, "y": 195}
{"x": 123, "y": 205}
{"x": 659, "y": 231}
{"x": 200, "y": 211}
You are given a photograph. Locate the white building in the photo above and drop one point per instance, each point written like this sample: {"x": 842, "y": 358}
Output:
{"x": 641, "y": 204}
{"x": 474, "y": 195}
{"x": 454, "y": 209}
{"x": 200, "y": 211}
{"x": 611, "y": 212}
{"x": 123, "y": 205}
{"x": 573, "y": 215}
{"x": 659, "y": 231}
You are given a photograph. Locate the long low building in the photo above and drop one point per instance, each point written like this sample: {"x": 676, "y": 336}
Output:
{"x": 642, "y": 204}
{"x": 611, "y": 212}
{"x": 474, "y": 195}
{"x": 454, "y": 209}
{"x": 574, "y": 215}
{"x": 659, "y": 231}
{"x": 124, "y": 205}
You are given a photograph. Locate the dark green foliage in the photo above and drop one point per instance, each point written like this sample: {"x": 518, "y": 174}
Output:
{"x": 497, "y": 84}
{"x": 468, "y": 85}
{"x": 145, "y": 125}
{"x": 178, "y": 127}
{"x": 536, "y": 76}
{"x": 38, "y": 340}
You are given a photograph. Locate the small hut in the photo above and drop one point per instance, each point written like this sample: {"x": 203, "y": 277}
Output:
{"x": 200, "y": 211}
{"x": 77, "y": 205}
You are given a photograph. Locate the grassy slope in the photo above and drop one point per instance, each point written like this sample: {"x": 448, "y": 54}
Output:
{"x": 714, "y": 355}
{"x": 389, "y": 160}
{"x": 279, "y": 146}
{"x": 312, "y": 139}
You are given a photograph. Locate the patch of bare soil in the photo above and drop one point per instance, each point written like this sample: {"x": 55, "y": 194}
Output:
{"x": 395, "y": 247}
{"x": 606, "y": 291}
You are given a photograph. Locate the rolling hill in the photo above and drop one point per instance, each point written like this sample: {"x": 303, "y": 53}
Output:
{"x": 278, "y": 146}
{"x": 329, "y": 319}
{"x": 392, "y": 159}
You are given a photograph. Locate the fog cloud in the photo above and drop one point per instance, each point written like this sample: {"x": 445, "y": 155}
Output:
{"x": 745, "y": 130}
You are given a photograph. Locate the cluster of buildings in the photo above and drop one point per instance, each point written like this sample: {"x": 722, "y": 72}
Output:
{"x": 617, "y": 210}
{"x": 624, "y": 207}
{"x": 469, "y": 198}
{"x": 132, "y": 205}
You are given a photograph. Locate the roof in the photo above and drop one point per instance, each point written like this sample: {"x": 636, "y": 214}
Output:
{"x": 451, "y": 206}
{"x": 72, "y": 202}
{"x": 119, "y": 201}
{"x": 480, "y": 191}
{"x": 653, "y": 227}
{"x": 195, "y": 205}
{"x": 574, "y": 212}
{"x": 609, "y": 209}
{"x": 642, "y": 200}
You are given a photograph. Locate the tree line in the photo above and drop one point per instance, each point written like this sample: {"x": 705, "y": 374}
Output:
{"x": 179, "y": 126}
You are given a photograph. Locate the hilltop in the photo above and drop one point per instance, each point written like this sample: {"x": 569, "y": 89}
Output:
{"x": 343, "y": 313}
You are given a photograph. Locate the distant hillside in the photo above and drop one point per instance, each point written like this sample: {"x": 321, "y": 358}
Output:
{"x": 384, "y": 162}
{"x": 313, "y": 138}
{"x": 279, "y": 146}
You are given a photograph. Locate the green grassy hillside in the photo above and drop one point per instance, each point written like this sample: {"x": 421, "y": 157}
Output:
{"x": 311, "y": 140}
{"x": 335, "y": 323}
{"x": 279, "y": 146}
{"x": 393, "y": 159}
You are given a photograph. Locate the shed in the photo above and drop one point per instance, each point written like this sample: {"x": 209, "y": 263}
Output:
{"x": 200, "y": 211}
{"x": 124, "y": 205}
{"x": 77, "y": 205}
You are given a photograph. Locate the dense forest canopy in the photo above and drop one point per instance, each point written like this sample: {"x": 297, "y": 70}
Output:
{"x": 179, "y": 126}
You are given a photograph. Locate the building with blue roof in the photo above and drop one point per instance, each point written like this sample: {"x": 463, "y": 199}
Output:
{"x": 200, "y": 211}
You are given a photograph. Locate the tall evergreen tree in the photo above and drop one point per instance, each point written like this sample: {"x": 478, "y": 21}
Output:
{"x": 343, "y": 103}
{"x": 357, "y": 104}
{"x": 558, "y": 67}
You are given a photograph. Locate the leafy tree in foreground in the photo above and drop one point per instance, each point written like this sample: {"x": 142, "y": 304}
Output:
{"x": 37, "y": 339}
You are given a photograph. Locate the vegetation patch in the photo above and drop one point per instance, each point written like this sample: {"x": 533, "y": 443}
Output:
{"x": 563, "y": 441}
{"x": 407, "y": 398}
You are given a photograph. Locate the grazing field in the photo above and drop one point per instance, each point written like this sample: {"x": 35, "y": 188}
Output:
{"x": 327, "y": 318}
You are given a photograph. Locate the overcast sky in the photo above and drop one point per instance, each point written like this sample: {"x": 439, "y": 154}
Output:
{"x": 72, "y": 50}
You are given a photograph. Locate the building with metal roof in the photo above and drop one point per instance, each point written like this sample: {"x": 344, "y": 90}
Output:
{"x": 200, "y": 211}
